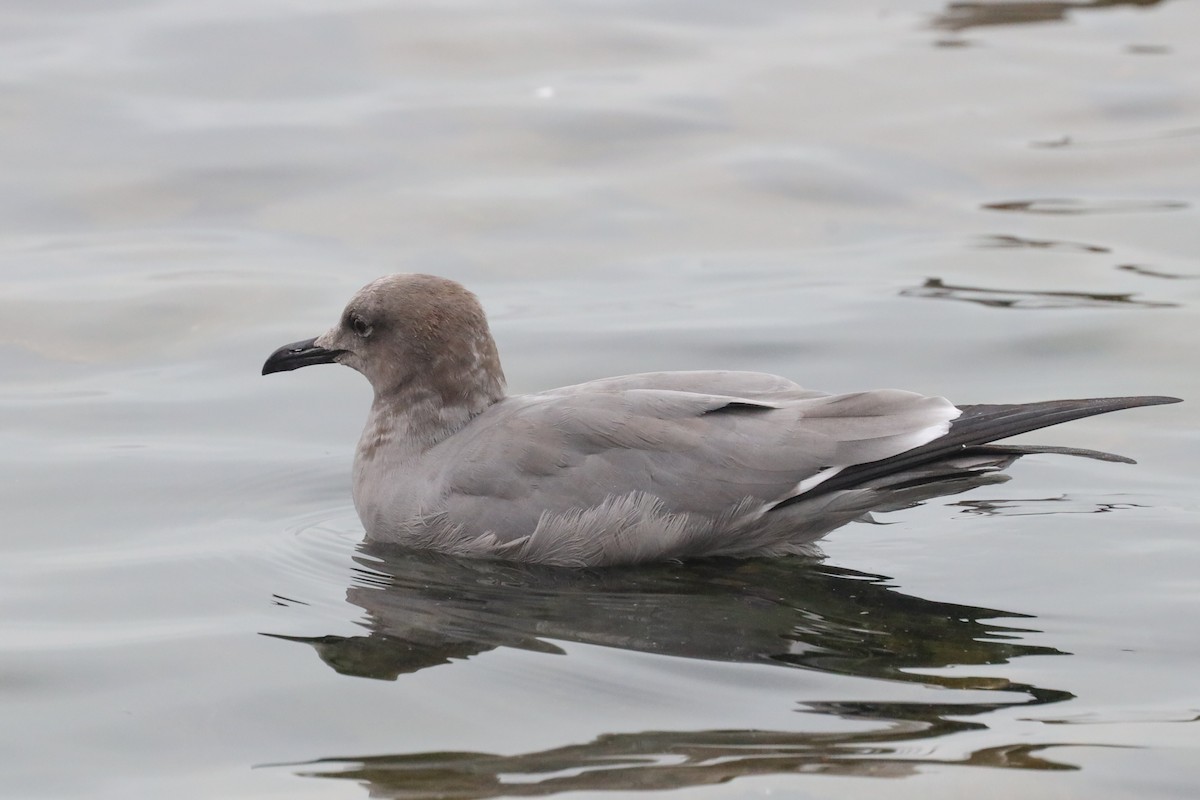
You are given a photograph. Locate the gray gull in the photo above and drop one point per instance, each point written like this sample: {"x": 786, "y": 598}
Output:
{"x": 637, "y": 468}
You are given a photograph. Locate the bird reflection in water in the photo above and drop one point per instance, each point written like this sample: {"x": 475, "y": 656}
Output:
{"x": 425, "y": 609}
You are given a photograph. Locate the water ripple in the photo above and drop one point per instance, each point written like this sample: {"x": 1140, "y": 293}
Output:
{"x": 937, "y": 289}
{"x": 1074, "y": 206}
{"x": 1001, "y": 240}
{"x": 960, "y": 16}
{"x": 312, "y": 560}
{"x": 1139, "y": 269}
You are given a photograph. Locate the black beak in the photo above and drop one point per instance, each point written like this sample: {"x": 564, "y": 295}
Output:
{"x": 299, "y": 354}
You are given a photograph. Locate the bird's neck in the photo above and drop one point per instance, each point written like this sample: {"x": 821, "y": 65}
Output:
{"x": 412, "y": 425}
{"x": 428, "y": 405}
{"x": 411, "y": 418}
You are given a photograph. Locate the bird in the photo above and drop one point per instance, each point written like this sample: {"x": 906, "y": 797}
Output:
{"x": 658, "y": 466}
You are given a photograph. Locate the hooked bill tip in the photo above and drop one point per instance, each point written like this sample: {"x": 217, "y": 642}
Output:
{"x": 299, "y": 354}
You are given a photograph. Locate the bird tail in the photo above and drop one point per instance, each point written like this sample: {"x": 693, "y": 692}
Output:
{"x": 973, "y": 432}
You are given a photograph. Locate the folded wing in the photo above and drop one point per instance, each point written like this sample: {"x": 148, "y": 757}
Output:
{"x": 696, "y": 453}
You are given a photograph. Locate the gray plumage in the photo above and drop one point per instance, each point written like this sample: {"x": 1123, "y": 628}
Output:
{"x": 666, "y": 465}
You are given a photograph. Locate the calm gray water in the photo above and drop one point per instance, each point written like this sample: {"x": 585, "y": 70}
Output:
{"x": 995, "y": 202}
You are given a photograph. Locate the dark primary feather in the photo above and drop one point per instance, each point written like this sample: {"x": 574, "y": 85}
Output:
{"x": 980, "y": 425}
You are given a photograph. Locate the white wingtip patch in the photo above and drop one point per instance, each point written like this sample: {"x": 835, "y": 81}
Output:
{"x": 813, "y": 480}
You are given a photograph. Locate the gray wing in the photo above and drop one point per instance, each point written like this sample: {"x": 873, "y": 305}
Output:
{"x": 696, "y": 453}
{"x": 756, "y": 385}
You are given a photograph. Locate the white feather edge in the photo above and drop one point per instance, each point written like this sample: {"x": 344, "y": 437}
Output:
{"x": 919, "y": 437}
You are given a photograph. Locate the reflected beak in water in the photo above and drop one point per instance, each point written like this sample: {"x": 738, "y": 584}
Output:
{"x": 299, "y": 354}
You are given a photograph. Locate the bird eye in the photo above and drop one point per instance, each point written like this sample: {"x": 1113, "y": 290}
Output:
{"x": 360, "y": 326}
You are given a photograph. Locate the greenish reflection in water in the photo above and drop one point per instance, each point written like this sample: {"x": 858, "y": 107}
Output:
{"x": 425, "y": 610}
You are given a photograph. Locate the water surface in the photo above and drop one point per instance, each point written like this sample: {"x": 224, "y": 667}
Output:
{"x": 991, "y": 201}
